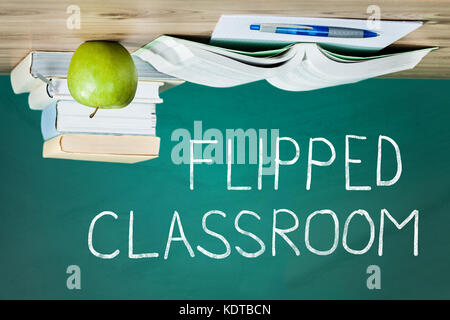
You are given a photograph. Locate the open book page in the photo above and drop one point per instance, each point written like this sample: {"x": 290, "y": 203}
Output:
{"x": 348, "y": 58}
{"x": 195, "y": 64}
{"x": 264, "y": 59}
{"x": 304, "y": 77}
{"x": 368, "y": 68}
{"x": 319, "y": 70}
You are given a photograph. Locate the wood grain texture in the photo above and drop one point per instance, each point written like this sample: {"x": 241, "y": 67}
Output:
{"x": 41, "y": 25}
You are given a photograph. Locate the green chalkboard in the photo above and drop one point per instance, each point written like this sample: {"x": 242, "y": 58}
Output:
{"x": 47, "y": 205}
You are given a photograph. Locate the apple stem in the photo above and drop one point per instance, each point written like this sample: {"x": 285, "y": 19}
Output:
{"x": 93, "y": 113}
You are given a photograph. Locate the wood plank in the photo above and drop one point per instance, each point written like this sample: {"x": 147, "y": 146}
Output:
{"x": 41, "y": 25}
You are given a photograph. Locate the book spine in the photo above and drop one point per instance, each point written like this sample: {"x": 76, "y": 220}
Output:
{"x": 21, "y": 78}
{"x": 39, "y": 98}
{"x": 48, "y": 122}
{"x": 52, "y": 148}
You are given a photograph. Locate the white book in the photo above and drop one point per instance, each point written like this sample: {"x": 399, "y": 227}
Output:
{"x": 25, "y": 76}
{"x": 298, "y": 67}
{"x": 235, "y": 30}
{"x": 46, "y": 94}
{"x": 68, "y": 116}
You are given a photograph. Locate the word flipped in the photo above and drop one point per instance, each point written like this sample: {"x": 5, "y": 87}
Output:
{"x": 288, "y": 162}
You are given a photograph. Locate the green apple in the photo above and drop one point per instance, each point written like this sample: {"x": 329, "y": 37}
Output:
{"x": 102, "y": 74}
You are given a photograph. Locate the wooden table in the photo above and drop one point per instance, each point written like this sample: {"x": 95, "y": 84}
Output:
{"x": 42, "y": 25}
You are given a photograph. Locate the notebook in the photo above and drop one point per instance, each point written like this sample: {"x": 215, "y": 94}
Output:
{"x": 235, "y": 31}
{"x": 297, "y": 67}
{"x": 68, "y": 116}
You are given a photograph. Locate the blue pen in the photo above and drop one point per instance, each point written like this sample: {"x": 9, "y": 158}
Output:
{"x": 311, "y": 30}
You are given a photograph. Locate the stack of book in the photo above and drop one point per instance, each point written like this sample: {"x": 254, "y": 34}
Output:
{"x": 126, "y": 135}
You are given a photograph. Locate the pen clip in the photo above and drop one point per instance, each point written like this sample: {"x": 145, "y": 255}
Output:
{"x": 297, "y": 26}
{"x": 304, "y": 27}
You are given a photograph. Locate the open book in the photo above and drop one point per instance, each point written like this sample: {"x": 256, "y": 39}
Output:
{"x": 297, "y": 67}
